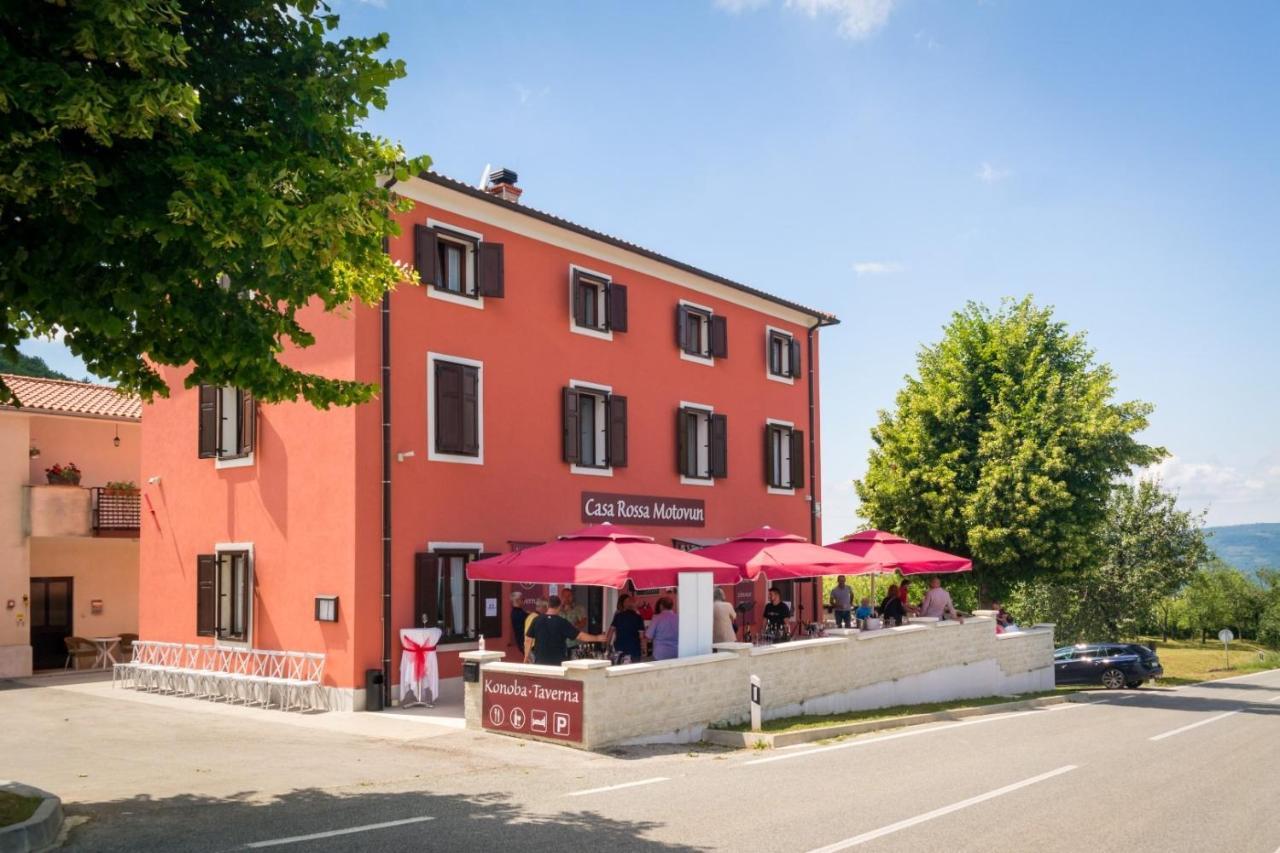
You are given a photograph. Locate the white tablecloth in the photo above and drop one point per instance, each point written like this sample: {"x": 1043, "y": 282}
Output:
{"x": 430, "y": 679}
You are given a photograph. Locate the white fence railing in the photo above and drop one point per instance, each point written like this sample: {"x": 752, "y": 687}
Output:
{"x": 249, "y": 676}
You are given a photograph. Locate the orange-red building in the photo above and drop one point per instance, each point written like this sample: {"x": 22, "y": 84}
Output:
{"x": 541, "y": 374}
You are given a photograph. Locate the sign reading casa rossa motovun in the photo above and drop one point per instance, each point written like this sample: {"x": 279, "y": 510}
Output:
{"x": 599, "y": 507}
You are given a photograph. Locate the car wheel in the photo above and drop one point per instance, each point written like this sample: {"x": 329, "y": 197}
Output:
{"x": 1112, "y": 679}
{"x": 1133, "y": 685}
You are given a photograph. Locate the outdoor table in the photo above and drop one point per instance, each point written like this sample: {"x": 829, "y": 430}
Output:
{"x": 106, "y": 647}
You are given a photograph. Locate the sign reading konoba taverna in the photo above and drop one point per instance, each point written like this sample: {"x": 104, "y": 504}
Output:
{"x": 598, "y": 507}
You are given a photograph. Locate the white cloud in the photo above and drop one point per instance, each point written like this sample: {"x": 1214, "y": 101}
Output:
{"x": 855, "y": 19}
{"x": 1230, "y": 495}
{"x": 877, "y": 267}
{"x": 990, "y": 174}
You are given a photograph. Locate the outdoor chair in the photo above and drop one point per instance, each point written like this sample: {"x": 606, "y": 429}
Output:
{"x": 79, "y": 649}
{"x": 126, "y": 646}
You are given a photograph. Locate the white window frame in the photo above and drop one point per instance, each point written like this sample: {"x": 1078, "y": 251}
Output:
{"x": 704, "y": 429}
{"x": 432, "y": 454}
{"x": 602, "y": 429}
{"x": 774, "y": 490}
{"x": 219, "y": 549}
{"x": 708, "y": 360}
{"x": 221, "y": 462}
{"x": 476, "y": 301}
{"x": 478, "y": 548}
{"x": 602, "y": 308}
{"x": 769, "y": 331}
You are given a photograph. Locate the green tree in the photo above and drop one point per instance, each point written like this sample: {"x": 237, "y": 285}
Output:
{"x": 28, "y": 365}
{"x": 1221, "y": 596}
{"x": 178, "y": 178}
{"x": 1146, "y": 551}
{"x": 1269, "y": 620}
{"x": 1005, "y": 447}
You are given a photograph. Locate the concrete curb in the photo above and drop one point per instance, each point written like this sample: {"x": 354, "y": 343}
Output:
{"x": 38, "y": 832}
{"x": 742, "y": 740}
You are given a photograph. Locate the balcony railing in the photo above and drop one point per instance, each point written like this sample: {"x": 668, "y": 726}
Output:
{"x": 116, "y": 512}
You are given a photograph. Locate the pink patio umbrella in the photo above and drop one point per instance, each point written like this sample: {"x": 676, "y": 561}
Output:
{"x": 893, "y": 552}
{"x": 600, "y": 555}
{"x": 779, "y": 555}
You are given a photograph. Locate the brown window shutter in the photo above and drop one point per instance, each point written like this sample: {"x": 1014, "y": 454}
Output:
{"x": 448, "y": 407}
{"x": 682, "y": 444}
{"x": 247, "y": 426}
{"x": 575, "y": 300}
{"x": 618, "y": 307}
{"x": 768, "y": 454}
{"x": 207, "y": 595}
{"x": 572, "y": 403}
{"x": 470, "y": 410}
{"x": 425, "y": 249}
{"x": 682, "y": 320}
{"x": 797, "y": 459}
{"x": 209, "y": 421}
{"x": 795, "y": 358}
{"x": 719, "y": 336}
{"x": 719, "y": 446}
{"x": 489, "y": 270}
{"x": 617, "y": 431}
{"x": 426, "y": 589}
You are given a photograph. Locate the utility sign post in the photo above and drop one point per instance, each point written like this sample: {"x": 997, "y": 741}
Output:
{"x": 755, "y": 703}
{"x": 1226, "y": 637}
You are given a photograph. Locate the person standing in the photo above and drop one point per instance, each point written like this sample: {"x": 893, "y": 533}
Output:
{"x": 664, "y": 631}
{"x": 626, "y": 630}
{"x": 572, "y": 611}
{"x": 776, "y": 613}
{"x": 723, "y": 629}
{"x": 937, "y": 603}
{"x": 842, "y": 603}
{"x": 548, "y": 641}
{"x": 892, "y": 609}
{"x": 518, "y": 615}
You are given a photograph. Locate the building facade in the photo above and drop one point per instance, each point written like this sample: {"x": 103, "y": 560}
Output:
{"x": 68, "y": 552}
{"x": 542, "y": 377}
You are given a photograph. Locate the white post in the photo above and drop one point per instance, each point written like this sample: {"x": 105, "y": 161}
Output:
{"x": 756, "y": 702}
{"x": 694, "y": 609}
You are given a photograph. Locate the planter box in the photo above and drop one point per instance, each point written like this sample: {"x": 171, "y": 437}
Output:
{"x": 58, "y": 511}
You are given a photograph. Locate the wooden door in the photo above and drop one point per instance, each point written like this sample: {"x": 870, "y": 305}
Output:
{"x": 50, "y": 621}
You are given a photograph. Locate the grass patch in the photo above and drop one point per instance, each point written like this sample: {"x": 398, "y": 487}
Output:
{"x": 15, "y": 808}
{"x": 1187, "y": 662}
{"x": 792, "y": 724}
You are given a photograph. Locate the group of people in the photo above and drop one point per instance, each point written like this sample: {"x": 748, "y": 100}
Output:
{"x": 894, "y": 608}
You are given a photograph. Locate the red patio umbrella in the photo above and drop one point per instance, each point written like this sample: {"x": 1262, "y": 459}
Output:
{"x": 893, "y": 552}
{"x": 600, "y": 555}
{"x": 784, "y": 556}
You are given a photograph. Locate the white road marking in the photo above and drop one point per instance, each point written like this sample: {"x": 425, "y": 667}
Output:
{"x": 1195, "y": 725}
{"x": 617, "y": 787}
{"x": 1275, "y": 699}
{"x": 945, "y": 810}
{"x": 275, "y": 842}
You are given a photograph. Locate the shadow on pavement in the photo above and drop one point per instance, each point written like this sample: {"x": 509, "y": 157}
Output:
{"x": 458, "y": 822}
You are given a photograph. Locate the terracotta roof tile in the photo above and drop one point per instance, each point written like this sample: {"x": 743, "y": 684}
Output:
{"x": 73, "y": 398}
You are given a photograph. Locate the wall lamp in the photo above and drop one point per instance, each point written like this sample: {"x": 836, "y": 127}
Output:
{"x": 403, "y": 455}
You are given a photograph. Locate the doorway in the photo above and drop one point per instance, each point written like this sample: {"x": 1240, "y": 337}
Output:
{"x": 50, "y": 621}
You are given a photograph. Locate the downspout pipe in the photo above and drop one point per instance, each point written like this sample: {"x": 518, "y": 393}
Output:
{"x": 385, "y": 395}
{"x": 813, "y": 450}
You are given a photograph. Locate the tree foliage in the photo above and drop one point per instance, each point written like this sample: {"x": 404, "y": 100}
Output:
{"x": 178, "y": 178}
{"x": 1146, "y": 550}
{"x": 1005, "y": 447}
{"x": 28, "y": 365}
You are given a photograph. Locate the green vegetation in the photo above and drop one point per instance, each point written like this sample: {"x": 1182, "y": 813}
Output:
{"x": 1188, "y": 663}
{"x": 179, "y": 178}
{"x": 1005, "y": 447}
{"x": 15, "y": 808}
{"x": 28, "y": 365}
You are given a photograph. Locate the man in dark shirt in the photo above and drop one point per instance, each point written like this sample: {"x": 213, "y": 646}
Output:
{"x": 626, "y": 629}
{"x": 518, "y": 616}
{"x": 549, "y": 635}
{"x": 776, "y": 612}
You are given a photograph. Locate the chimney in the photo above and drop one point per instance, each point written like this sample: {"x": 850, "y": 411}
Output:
{"x": 502, "y": 183}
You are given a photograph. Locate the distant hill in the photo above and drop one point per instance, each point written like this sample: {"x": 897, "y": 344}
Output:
{"x": 29, "y": 365}
{"x": 1247, "y": 546}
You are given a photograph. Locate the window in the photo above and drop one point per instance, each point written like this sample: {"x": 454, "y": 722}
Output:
{"x": 700, "y": 334}
{"x": 445, "y": 599}
{"x": 782, "y": 354}
{"x": 224, "y": 588}
{"x": 227, "y": 421}
{"x": 783, "y": 456}
{"x": 598, "y": 304}
{"x": 701, "y": 444}
{"x": 455, "y": 420}
{"x": 456, "y": 263}
{"x": 595, "y": 428}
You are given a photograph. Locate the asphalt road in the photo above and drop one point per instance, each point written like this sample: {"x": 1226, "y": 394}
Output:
{"x": 1196, "y": 769}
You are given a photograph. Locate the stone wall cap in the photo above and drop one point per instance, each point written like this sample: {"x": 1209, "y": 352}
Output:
{"x": 793, "y": 645}
{"x": 526, "y": 669}
{"x": 892, "y": 632}
{"x": 586, "y": 664}
{"x": 674, "y": 663}
{"x": 483, "y": 657}
{"x": 731, "y": 647}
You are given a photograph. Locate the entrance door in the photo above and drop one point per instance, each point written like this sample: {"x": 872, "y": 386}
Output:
{"x": 50, "y": 621}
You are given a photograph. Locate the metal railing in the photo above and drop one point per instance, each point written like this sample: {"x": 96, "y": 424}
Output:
{"x": 116, "y": 510}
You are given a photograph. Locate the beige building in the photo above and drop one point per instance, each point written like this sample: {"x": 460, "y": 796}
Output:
{"x": 68, "y": 551}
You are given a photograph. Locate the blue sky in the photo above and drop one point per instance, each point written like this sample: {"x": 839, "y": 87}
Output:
{"x": 888, "y": 160}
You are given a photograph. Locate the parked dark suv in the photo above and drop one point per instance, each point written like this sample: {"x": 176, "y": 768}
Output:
{"x": 1113, "y": 665}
